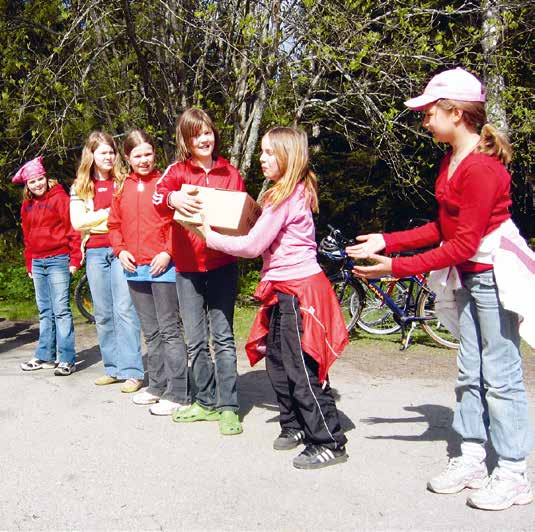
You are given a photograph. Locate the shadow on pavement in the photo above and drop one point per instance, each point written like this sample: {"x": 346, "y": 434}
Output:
{"x": 87, "y": 358}
{"x": 255, "y": 391}
{"x": 438, "y": 419}
{"x": 14, "y": 335}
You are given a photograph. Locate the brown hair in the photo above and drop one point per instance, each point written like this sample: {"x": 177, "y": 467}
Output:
{"x": 83, "y": 184}
{"x": 134, "y": 138}
{"x": 493, "y": 141}
{"x": 190, "y": 124}
{"x": 290, "y": 146}
{"x": 27, "y": 194}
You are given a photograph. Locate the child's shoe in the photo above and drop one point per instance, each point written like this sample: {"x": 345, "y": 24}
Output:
{"x": 289, "y": 438}
{"x": 460, "y": 473}
{"x": 315, "y": 456}
{"x": 145, "y": 398}
{"x": 504, "y": 489}
{"x": 229, "y": 423}
{"x": 105, "y": 380}
{"x": 36, "y": 363}
{"x": 195, "y": 412}
{"x": 64, "y": 369}
{"x": 165, "y": 408}
{"x": 131, "y": 385}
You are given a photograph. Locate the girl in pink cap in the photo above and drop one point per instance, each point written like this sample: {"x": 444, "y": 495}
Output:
{"x": 52, "y": 253}
{"x": 484, "y": 268}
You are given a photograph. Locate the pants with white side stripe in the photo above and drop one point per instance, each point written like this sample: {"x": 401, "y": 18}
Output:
{"x": 303, "y": 402}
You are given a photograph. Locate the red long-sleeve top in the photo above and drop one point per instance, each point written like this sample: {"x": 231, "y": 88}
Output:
{"x": 472, "y": 203}
{"x": 47, "y": 229}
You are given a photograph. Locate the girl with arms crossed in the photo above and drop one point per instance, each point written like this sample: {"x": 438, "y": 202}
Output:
{"x": 98, "y": 176}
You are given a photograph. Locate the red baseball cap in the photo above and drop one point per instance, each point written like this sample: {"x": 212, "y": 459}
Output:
{"x": 455, "y": 84}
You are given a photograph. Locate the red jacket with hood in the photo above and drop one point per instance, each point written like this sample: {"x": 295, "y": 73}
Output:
{"x": 47, "y": 229}
{"x": 135, "y": 225}
{"x": 190, "y": 251}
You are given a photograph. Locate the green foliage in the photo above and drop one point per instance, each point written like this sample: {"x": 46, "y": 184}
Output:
{"x": 15, "y": 285}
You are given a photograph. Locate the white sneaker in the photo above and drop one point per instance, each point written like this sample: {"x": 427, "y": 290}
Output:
{"x": 166, "y": 408}
{"x": 503, "y": 489}
{"x": 459, "y": 474}
{"x": 145, "y": 398}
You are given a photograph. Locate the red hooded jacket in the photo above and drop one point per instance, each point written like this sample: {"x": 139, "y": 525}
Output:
{"x": 135, "y": 225}
{"x": 190, "y": 251}
{"x": 324, "y": 331}
{"x": 47, "y": 229}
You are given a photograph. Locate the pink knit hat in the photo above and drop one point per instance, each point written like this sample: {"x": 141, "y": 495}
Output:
{"x": 455, "y": 84}
{"x": 30, "y": 170}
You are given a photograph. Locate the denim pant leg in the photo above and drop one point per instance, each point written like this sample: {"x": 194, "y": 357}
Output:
{"x": 59, "y": 282}
{"x": 127, "y": 329}
{"x": 191, "y": 290}
{"x": 98, "y": 270}
{"x": 46, "y": 346}
{"x": 490, "y": 389}
{"x": 115, "y": 317}
{"x": 222, "y": 285}
{"x": 174, "y": 353}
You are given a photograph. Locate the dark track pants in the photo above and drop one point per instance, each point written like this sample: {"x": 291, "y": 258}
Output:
{"x": 303, "y": 402}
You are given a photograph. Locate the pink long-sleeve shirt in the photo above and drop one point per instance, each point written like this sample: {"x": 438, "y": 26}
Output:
{"x": 284, "y": 236}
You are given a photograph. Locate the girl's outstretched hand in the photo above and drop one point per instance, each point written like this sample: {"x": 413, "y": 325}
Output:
{"x": 382, "y": 267}
{"x": 187, "y": 204}
{"x": 159, "y": 263}
{"x": 72, "y": 270}
{"x": 128, "y": 262}
{"x": 371, "y": 243}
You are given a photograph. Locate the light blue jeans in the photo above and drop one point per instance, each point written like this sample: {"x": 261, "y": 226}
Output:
{"x": 52, "y": 279}
{"x": 490, "y": 389}
{"x": 115, "y": 316}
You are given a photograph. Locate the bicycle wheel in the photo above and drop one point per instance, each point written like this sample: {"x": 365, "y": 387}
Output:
{"x": 376, "y": 316}
{"x": 350, "y": 295}
{"x": 84, "y": 302}
{"x": 432, "y": 326}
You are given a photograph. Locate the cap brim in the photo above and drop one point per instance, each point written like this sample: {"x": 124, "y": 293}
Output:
{"x": 420, "y": 102}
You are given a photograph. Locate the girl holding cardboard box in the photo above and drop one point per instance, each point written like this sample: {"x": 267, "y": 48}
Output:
{"x": 206, "y": 279}
{"x": 299, "y": 328}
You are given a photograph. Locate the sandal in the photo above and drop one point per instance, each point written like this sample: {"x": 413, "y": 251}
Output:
{"x": 229, "y": 423}
{"x": 195, "y": 412}
{"x": 36, "y": 363}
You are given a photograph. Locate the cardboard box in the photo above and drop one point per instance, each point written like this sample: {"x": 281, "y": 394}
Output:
{"x": 227, "y": 211}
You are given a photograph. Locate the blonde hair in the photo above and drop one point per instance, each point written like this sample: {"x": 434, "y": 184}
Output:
{"x": 83, "y": 184}
{"x": 290, "y": 147}
{"x": 27, "y": 194}
{"x": 189, "y": 125}
{"x": 134, "y": 138}
{"x": 493, "y": 141}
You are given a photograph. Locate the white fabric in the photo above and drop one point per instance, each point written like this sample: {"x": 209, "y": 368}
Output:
{"x": 514, "y": 269}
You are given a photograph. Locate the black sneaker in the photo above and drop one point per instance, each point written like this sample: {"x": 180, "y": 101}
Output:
{"x": 64, "y": 369}
{"x": 315, "y": 456}
{"x": 288, "y": 439}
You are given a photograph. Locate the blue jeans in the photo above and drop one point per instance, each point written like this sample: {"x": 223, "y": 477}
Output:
{"x": 490, "y": 389}
{"x": 52, "y": 279}
{"x": 207, "y": 304}
{"x": 116, "y": 319}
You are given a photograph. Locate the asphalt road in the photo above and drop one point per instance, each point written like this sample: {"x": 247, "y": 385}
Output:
{"x": 75, "y": 456}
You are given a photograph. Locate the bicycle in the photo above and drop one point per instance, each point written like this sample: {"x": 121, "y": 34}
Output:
{"x": 384, "y": 305}
{"x": 83, "y": 300}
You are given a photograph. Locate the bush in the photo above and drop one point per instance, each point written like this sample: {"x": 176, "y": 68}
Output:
{"x": 15, "y": 285}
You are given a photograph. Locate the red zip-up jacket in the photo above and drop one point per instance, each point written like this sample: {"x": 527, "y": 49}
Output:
{"x": 324, "y": 334}
{"x": 47, "y": 229}
{"x": 135, "y": 225}
{"x": 190, "y": 251}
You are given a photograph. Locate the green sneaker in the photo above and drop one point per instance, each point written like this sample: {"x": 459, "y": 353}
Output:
{"x": 195, "y": 412}
{"x": 229, "y": 423}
